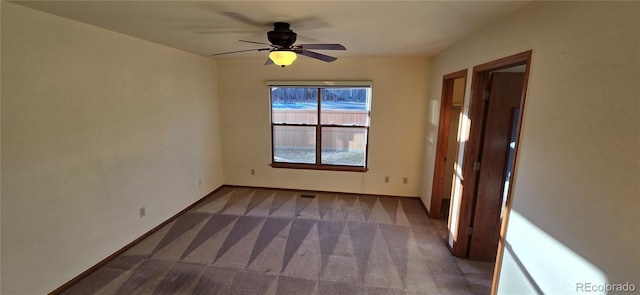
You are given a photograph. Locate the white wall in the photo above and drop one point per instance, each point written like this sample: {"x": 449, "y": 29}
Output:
{"x": 95, "y": 125}
{"x": 398, "y": 119}
{"x": 575, "y": 202}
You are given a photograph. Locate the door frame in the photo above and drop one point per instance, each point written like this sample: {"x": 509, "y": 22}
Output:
{"x": 446, "y": 101}
{"x": 480, "y": 80}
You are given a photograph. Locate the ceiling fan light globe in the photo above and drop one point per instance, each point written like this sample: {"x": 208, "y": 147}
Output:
{"x": 283, "y": 58}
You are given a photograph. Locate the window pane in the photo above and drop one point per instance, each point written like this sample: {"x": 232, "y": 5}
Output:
{"x": 294, "y": 144}
{"x": 344, "y": 146}
{"x": 294, "y": 105}
{"x": 345, "y": 106}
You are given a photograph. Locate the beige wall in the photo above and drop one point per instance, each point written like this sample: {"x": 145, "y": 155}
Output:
{"x": 398, "y": 118}
{"x": 458, "y": 91}
{"x": 95, "y": 125}
{"x": 0, "y": 151}
{"x": 575, "y": 201}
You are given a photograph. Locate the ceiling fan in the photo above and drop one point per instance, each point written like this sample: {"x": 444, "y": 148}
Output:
{"x": 282, "y": 50}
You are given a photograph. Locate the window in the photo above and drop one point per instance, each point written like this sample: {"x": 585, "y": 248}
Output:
{"x": 320, "y": 127}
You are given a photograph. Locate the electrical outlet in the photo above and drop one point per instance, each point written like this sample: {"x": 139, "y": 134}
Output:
{"x": 405, "y": 180}
{"x": 253, "y": 171}
{"x": 386, "y": 179}
{"x": 142, "y": 212}
{"x": 199, "y": 182}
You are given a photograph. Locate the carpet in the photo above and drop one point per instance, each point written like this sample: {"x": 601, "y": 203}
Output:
{"x": 268, "y": 241}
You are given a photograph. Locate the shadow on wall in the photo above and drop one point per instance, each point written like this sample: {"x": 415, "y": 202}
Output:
{"x": 528, "y": 272}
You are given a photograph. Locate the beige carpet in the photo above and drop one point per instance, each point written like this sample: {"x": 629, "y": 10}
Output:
{"x": 260, "y": 241}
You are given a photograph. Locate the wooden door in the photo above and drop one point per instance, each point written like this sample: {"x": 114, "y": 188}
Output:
{"x": 504, "y": 96}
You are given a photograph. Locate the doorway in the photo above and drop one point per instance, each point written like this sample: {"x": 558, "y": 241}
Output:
{"x": 490, "y": 152}
{"x": 453, "y": 88}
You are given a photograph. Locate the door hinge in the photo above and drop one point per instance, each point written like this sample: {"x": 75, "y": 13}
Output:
{"x": 469, "y": 231}
{"x": 476, "y": 166}
{"x": 485, "y": 95}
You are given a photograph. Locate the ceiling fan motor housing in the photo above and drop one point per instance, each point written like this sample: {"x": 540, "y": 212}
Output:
{"x": 283, "y": 52}
{"x": 282, "y": 35}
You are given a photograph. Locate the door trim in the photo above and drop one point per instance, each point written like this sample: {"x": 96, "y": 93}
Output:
{"x": 444, "y": 124}
{"x": 480, "y": 80}
{"x": 503, "y": 228}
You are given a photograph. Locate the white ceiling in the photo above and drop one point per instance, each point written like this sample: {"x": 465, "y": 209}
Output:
{"x": 366, "y": 28}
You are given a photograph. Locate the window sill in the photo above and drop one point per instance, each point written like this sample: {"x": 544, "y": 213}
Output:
{"x": 319, "y": 167}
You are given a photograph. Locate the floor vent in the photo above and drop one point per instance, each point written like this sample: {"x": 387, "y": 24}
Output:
{"x": 308, "y": 195}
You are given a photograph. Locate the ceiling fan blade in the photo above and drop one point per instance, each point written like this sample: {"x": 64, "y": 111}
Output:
{"x": 254, "y": 42}
{"x": 245, "y": 19}
{"x": 303, "y": 23}
{"x": 268, "y": 62}
{"x": 222, "y": 31}
{"x": 255, "y": 49}
{"x": 316, "y": 55}
{"x": 309, "y": 23}
{"x": 323, "y": 46}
